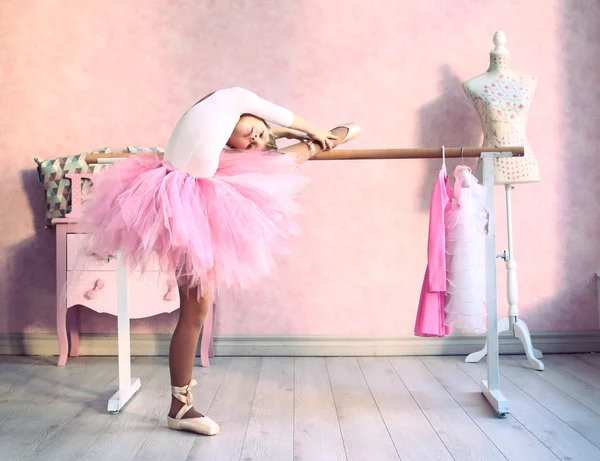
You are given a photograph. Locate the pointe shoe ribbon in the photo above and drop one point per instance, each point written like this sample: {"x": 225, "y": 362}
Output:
{"x": 184, "y": 395}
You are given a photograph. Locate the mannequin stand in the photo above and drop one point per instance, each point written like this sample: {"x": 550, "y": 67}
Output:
{"x": 512, "y": 323}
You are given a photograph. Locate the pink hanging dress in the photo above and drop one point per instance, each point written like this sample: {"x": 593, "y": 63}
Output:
{"x": 431, "y": 315}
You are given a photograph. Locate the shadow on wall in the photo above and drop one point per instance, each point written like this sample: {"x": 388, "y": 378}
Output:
{"x": 32, "y": 264}
{"x": 449, "y": 121}
{"x": 580, "y": 197}
{"x": 575, "y": 304}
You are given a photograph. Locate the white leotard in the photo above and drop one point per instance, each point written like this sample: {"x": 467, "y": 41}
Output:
{"x": 200, "y": 136}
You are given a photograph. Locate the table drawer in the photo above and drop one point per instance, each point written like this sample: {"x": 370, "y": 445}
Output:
{"x": 149, "y": 294}
{"x": 79, "y": 260}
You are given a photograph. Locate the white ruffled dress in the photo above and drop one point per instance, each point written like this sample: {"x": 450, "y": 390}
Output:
{"x": 466, "y": 222}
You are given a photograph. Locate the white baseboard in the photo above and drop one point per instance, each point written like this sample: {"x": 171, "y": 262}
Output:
{"x": 46, "y": 344}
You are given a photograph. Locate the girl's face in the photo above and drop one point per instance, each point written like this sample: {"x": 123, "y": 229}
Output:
{"x": 249, "y": 133}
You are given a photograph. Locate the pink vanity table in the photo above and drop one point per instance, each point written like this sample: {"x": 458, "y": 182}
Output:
{"x": 83, "y": 279}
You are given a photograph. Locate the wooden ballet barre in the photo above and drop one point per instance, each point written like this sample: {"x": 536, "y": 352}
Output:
{"x": 373, "y": 154}
{"x": 414, "y": 153}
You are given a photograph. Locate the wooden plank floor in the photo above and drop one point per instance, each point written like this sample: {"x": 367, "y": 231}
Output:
{"x": 305, "y": 409}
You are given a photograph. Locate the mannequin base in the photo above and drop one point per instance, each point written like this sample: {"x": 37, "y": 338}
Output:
{"x": 520, "y": 330}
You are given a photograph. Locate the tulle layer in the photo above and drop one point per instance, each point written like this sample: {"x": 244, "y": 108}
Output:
{"x": 214, "y": 232}
{"x": 465, "y": 263}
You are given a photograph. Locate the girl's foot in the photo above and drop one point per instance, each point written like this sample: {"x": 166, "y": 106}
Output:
{"x": 186, "y": 418}
{"x": 345, "y": 133}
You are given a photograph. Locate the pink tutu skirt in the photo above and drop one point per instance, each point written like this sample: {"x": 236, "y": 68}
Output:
{"x": 214, "y": 232}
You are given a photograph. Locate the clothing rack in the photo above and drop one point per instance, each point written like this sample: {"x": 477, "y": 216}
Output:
{"x": 490, "y": 387}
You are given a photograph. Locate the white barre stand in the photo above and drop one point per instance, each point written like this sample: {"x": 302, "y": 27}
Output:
{"x": 512, "y": 323}
{"x": 491, "y": 386}
{"x": 128, "y": 386}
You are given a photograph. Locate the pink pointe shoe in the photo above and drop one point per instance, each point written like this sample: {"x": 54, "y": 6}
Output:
{"x": 202, "y": 425}
{"x": 353, "y": 132}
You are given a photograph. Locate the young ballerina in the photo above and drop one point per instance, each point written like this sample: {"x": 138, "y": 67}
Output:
{"x": 214, "y": 211}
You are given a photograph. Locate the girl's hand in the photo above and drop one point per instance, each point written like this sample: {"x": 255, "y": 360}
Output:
{"x": 324, "y": 139}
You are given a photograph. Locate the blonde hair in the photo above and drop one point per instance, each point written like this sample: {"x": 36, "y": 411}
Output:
{"x": 271, "y": 144}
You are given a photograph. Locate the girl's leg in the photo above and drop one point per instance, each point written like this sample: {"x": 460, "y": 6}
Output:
{"x": 182, "y": 352}
{"x": 301, "y": 152}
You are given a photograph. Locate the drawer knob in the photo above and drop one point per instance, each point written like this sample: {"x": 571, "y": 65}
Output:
{"x": 106, "y": 260}
{"x": 169, "y": 295}
{"x": 94, "y": 292}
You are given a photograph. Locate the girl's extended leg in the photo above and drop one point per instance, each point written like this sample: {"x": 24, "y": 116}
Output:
{"x": 301, "y": 152}
{"x": 184, "y": 343}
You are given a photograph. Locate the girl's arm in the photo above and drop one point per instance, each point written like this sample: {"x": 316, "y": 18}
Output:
{"x": 247, "y": 102}
{"x": 289, "y": 133}
{"x": 322, "y": 137}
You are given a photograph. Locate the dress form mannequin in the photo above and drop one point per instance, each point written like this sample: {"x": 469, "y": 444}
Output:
{"x": 502, "y": 98}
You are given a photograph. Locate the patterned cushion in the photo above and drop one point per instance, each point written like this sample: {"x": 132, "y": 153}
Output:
{"x": 57, "y": 187}
{"x": 136, "y": 149}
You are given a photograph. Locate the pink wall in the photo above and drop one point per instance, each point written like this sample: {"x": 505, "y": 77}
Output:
{"x": 81, "y": 75}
